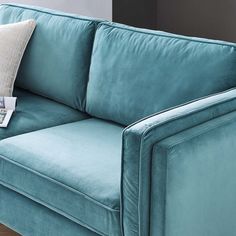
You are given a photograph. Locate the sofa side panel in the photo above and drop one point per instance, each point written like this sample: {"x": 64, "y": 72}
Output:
{"x": 193, "y": 184}
{"x": 138, "y": 141}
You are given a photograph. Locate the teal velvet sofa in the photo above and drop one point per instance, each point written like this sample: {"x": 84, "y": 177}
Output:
{"x": 119, "y": 131}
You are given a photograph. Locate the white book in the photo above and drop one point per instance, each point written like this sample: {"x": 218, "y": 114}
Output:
{"x": 7, "y": 107}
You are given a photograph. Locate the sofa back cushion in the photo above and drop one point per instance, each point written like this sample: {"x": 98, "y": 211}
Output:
{"x": 56, "y": 62}
{"x": 136, "y": 72}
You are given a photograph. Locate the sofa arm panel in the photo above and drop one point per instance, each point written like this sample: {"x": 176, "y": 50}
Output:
{"x": 138, "y": 142}
{"x": 193, "y": 186}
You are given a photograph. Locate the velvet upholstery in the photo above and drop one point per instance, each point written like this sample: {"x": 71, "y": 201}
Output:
{"x": 79, "y": 177}
{"x": 33, "y": 219}
{"x": 135, "y": 73}
{"x": 34, "y": 112}
{"x": 168, "y": 174}
{"x": 193, "y": 192}
{"x": 137, "y": 156}
{"x": 56, "y": 62}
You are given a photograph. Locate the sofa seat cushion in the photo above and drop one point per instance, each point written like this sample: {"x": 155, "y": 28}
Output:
{"x": 73, "y": 169}
{"x": 34, "y": 112}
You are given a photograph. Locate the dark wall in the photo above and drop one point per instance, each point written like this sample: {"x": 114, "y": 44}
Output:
{"x": 203, "y": 18}
{"x": 138, "y": 13}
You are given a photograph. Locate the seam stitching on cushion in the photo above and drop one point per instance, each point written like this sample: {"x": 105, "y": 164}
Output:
{"x": 59, "y": 211}
{"x": 59, "y": 183}
{"x": 200, "y": 132}
{"x": 171, "y": 120}
{"x": 184, "y": 104}
{"x": 186, "y": 38}
{"x": 139, "y": 185}
{"x": 150, "y": 128}
{"x": 191, "y": 112}
{"x": 151, "y": 180}
{"x": 166, "y": 188}
{"x": 212, "y": 104}
{"x": 121, "y": 185}
{"x": 168, "y": 149}
{"x": 51, "y": 13}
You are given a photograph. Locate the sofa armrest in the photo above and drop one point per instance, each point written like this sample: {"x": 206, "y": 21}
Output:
{"x": 139, "y": 141}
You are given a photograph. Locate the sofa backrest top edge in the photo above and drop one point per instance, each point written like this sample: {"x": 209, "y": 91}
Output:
{"x": 166, "y": 34}
{"x": 52, "y": 12}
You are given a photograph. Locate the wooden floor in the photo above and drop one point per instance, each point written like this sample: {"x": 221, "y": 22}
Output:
{"x": 4, "y": 231}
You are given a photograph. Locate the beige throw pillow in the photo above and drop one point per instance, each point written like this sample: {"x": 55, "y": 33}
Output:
{"x": 13, "y": 41}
